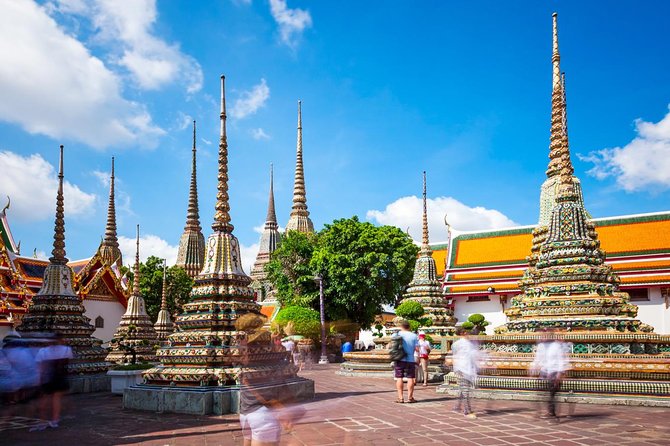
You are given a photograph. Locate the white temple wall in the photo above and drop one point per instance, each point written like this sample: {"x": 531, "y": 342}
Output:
{"x": 491, "y": 310}
{"x": 111, "y": 313}
{"x": 653, "y": 311}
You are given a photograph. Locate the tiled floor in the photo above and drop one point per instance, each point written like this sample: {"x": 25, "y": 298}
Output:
{"x": 351, "y": 411}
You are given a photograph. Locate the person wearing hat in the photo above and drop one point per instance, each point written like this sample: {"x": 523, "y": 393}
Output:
{"x": 423, "y": 350}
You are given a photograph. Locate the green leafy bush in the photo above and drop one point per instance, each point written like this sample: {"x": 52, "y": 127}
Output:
{"x": 410, "y": 310}
{"x": 304, "y": 321}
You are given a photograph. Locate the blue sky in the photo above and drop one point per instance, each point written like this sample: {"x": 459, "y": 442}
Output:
{"x": 459, "y": 89}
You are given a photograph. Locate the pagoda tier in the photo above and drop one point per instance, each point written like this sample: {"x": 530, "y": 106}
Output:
{"x": 212, "y": 342}
{"x": 425, "y": 288}
{"x": 135, "y": 338}
{"x": 56, "y": 309}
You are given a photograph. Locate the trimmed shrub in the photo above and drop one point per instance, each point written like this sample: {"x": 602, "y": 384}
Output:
{"x": 410, "y": 310}
{"x": 304, "y": 321}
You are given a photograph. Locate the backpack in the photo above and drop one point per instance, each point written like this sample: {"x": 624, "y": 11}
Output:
{"x": 397, "y": 352}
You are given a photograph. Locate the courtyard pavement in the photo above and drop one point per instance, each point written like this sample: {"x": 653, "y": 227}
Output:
{"x": 350, "y": 411}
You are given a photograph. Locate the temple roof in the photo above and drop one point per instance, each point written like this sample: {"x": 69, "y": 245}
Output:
{"x": 637, "y": 247}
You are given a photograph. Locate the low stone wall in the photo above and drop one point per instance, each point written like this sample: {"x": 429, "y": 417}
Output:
{"x": 89, "y": 383}
{"x": 205, "y": 400}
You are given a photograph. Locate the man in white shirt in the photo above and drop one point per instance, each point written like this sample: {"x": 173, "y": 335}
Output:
{"x": 551, "y": 362}
{"x": 466, "y": 357}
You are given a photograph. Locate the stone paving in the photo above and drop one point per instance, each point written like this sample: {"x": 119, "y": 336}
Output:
{"x": 350, "y": 411}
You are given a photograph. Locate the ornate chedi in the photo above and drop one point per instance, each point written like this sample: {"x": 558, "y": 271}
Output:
{"x": 164, "y": 326}
{"x": 109, "y": 248}
{"x": 299, "y": 219}
{"x": 426, "y": 289}
{"x": 268, "y": 243}
{"x": 191, "y": 252}
{"x": 570, "y": 290}
{"x": 135, "y": 336}
{"x": 57, "y": 309}
{"x": 208, "y": 348}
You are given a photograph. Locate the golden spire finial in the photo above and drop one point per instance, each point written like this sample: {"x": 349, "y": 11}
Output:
{"x": 58, "y": 253}
{"x": 164, "y": 292}
{"x": 299, "y": 219}
{"x": 110, "y": 244}
{"x": 222, "y": 208}
{"x": 272, "y": 215}
{"x": 555, "y": 56}
{"x": 425, "y": 214}
{"x": 136, "y": 270}
{"x": 193, "y": 212}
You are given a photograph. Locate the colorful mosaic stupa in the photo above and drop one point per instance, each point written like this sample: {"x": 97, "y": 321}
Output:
{"x": 191, "y": 252}
{"x": 57, "y": 309}
{"x": 208, "y": 349}
{"x": 299, "y": 219}
{"x": 268, "y": 243}
{"x": 135, "y": 337}
{"x": 425, "y": 288}
{"x": 164, "y": 325}
{"x": 569, "y": 289}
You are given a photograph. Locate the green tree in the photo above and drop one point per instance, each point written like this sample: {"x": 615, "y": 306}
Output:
{"x": 475, "y": 324}
{"x": 306, "y": 322}
{"x": 178, "y": 286}
{"x": 290, "y": 271}
{"x": 363, "y": 266}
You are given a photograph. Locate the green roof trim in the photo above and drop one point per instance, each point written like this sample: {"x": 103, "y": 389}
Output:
{"x": 4, "y": 234}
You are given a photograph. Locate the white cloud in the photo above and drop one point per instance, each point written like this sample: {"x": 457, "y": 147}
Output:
{"x": 643, "y": 163}
{"x": 183, "y": 121}
{"x": 259, "y": 134}
{"x": 248, "y": 254}
{"x": 127, "y": 29}
{"x": 50, "y": 84}
{"x": 406, "y": 213}
{"x": 32, "y": 182}
{"x": 150, "y": 245}
{"x": 250, "y": 101}
{"x": 292, "y": 22}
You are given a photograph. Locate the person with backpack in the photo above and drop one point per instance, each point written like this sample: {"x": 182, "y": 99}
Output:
{"x": 403, "y": 345}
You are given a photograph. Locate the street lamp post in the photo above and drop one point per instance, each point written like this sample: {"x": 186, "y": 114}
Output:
{"x": 324, "y": 355}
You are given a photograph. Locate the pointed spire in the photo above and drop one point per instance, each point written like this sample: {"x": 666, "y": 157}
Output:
{"x": 272, "y": 216}
{"x": 59, "y": 224}
{"x": 222, "y": 208}
{"x": 193, "y": 213}
{"x": 164, "y": 291}
{"x": 299, "y": 193}
{"x": 136, "y": 270}
{"x": 425, "y": 213}
{"x": 559, "y": 151}
{"x": 109, "y": 247}
{"x": 299, "y": 219}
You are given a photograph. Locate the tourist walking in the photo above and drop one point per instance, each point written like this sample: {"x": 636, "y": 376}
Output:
{"x": 423, "y": 351}
{"x": 52, "y": 362}
{"x": 405, "y": 368}
{"x": 466, "y": 357}
{"x": 551, "y": 362}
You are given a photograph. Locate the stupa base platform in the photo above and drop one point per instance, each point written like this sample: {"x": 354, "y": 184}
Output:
{"x": 589, "y": 391}
{"x": 207, "y": 400}
{"x": 376, "y": 364}
{"x": 89, "y": 383}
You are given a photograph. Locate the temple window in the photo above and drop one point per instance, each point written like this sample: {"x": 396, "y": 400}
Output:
{"x": 638, "y": 294}
{"x": 478, "y": 299}
{"x": 99, "y": 322}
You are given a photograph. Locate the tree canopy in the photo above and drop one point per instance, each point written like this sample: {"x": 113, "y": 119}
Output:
{"x": 363, "y": 267}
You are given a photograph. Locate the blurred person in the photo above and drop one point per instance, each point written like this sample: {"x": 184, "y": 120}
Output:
{"x": 52, "y": 361}
{"x": 23, "y": 376}
{"x": 405, "y": 368}
{"x": 422, "y": 353}
{"x": 466, "y": 357}
{"x": 551, "y": 362}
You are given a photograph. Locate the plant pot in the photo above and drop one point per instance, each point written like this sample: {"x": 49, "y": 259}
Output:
{"x": 122, "y": 379}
